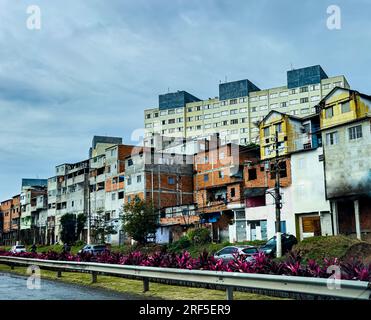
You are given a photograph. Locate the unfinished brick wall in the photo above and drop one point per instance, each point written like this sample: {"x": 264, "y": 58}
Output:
{"x": 263, "y": 177}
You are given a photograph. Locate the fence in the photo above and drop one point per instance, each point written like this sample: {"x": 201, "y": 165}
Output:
{"x": 229, "y": 281}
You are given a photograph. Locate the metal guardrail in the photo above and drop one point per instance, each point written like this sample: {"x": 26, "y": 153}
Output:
{"x": 343, "y": 289}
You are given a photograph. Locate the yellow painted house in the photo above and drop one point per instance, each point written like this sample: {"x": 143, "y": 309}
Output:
{"x": 342, "y": 106}
{"x": 294, "y": 134}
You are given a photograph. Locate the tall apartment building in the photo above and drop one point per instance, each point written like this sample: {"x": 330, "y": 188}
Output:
{"x": 67, "y": 193}
{"x": 6, "y": 208}
{"x": 234, "y": 114}
{"x": 33, "y": 208}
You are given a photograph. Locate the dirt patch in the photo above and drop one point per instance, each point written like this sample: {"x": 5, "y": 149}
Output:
{"x": 360, "y": 251}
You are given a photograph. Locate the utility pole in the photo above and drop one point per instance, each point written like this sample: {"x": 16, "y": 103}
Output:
{"x": 277, "y": 199}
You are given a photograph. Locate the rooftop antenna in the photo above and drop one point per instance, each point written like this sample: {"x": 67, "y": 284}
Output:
{"x": 292, "y": 67}
{"x": 226, "y": 79}
{"x": 168, "y": 89}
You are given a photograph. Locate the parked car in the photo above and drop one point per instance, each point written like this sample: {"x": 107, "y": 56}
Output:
{"x": 288, "y": 241}
{"x": 229, "y": 253}
{"x": 94, "y": 249}
{"x": 18, "y": 248}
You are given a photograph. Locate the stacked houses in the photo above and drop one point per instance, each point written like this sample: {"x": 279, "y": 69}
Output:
{"x": 323, "y": 160}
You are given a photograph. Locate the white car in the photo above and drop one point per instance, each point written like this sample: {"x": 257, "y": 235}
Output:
{"x": 229, "y": 253}
{"x": 18, "y": 249}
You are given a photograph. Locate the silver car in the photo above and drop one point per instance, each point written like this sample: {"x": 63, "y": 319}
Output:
{"x": 229, "y": 253}
{"x": 18, "y": 248}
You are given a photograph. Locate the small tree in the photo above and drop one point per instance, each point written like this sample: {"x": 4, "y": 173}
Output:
{"x": 81, "y": 220}
{"x": 68, "y": 225}
{"x": 100, "y": 229}
{"x": 139, "y": 220}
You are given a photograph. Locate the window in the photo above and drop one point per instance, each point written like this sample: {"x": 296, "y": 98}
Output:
{"x": 303, "y": 89}
{"x": 326, "y": 86}
{"x": 130, "y": 162}
{"x": 172, "y": 111}
{"x": 278, "y": 127}
{"x": 207, "y": 116}
{"x": 207, "y": 107}
{"x": 304, "y": 110}
{"x": 243, "y": 120}
{"x": 189, "y": 119}
{"x": 314, "y": 98}
{"x": 266, "y": 132}
{"x": 198, "y": 108}
{"x": 156, "y": 114}
{"x": 129, "y": 199}
{"x": 198, "y": 118}
{"x": 304, "y": 100}
{"x": 217, "y": 115}
{"x": 121, "y": 195}
{"x": 283, "y": 104}
{"x": 221, "y": 174}
{"x": 233, "y": 111}
{"x": 224, "y": 113}
{"x": 206, "y": 177}
{"x": 113, "y": 196}
{"x": 163, "y": 113}
{"x": 171, "y": 121}
{"x": 179, "y": 120}
{"x": 253, "y": 109}
{"x": 274, "y": 105}
{"x": 148, "y": 116}
{"x": 170, "y": 180}
{"x": 284, "y": 93}
{"x": 329, "y": 112}
{"x": 148, "y": 125}
{"x": 295, "y": 101}
{"x": 274, "y": 95}
{"x": 332, "y": 138}
{"x": 72, "y": 203}
{"x": 139, "y": 179}
{"x": 233, "y": 192}
{"x": 129, "y": 181}
{"x": 189, "y": 109}
{"x": 292, "y": 91}
{"x": 252, "y": 174}
{"x": 355, "y": 132}
{"x": 233, "y": 101}
{"x": 224, "y": 123}
{"x": 234, "y": 121}
{"x": 262, "y": 108}
{"x": 345, "y": 107}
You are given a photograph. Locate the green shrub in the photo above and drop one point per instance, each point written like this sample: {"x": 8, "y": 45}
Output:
{"x": 181, "y": 244}
{"x": 199, "y": 236}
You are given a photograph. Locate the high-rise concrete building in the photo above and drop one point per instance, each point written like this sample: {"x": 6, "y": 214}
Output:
{"x": 234, "y": 114}
{"x": 67, "y": 193}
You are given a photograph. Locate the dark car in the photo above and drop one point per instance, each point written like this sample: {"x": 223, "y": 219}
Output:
{"x": 288, "y": 241}
{"x": 94, "y": 249}
{"x": 229, "y": 253}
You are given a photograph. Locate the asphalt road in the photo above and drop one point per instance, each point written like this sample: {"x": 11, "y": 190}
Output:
{"x": 14, "y": 287}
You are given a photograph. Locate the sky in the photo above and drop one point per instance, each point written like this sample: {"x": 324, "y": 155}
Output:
{"x": 94, "y": 66}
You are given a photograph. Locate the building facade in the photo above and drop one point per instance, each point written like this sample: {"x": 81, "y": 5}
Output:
{"x": 234, "y": 114}
{"x": 346, "y": 132}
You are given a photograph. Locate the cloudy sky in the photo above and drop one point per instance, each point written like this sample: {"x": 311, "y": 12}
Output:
{"x": 94, "y": 66}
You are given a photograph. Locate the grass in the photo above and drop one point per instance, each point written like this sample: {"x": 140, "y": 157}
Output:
{"x": 318, "y": 248}
{"x": 135, "y": 287}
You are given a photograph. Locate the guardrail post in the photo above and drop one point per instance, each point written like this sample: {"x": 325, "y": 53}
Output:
{"x": 229, "y": 292}
{"x": 145, "y": 284}
{"x": 59, "y": 274}
{"x": 94, "y": 276}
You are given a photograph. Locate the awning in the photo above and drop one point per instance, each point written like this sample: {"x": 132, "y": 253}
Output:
{"x": 254, "y": 192}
